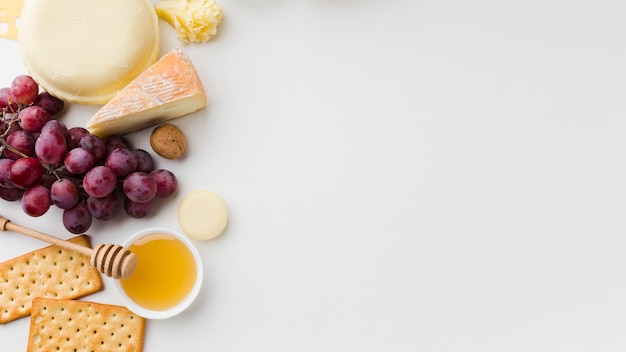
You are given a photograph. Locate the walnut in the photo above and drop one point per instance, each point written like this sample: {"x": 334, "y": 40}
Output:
{"x": 168, "y": 141}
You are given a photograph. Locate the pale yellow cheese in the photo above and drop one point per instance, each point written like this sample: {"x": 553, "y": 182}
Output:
{"x": 195, "y": 21}
{"x": 10, "y": 11}
{"x": 168, "y": 89}
{"x": 85, "y": 51}
{"x": 202, "y": 214}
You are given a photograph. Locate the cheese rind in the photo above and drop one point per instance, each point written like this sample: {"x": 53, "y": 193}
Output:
{"x": 168, "y": 89}
{"x": 85, "y": 51}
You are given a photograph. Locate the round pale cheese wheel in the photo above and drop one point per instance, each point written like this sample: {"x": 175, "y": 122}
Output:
{"x": 202, "y": 214}
{"x": 85, "y": 51}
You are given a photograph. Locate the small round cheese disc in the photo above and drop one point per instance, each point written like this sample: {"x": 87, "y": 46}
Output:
{"x": 85, "y": 51}
{"x": 202, "y": 214}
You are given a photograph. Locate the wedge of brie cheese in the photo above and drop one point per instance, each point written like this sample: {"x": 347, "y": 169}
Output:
{"x": 168, "y": 89}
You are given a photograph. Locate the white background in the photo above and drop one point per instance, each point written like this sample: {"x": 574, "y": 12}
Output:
{"x": 401, "y": 176}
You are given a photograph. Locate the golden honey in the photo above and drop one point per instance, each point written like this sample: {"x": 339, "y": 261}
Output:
{"x": 165, "y": 272}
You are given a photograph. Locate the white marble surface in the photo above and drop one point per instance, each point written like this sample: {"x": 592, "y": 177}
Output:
{"x": 402, "y": 175}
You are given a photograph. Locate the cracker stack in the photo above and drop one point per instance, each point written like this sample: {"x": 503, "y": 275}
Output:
{"x": 47, "y": 272}
{"x": 70, "y": 325}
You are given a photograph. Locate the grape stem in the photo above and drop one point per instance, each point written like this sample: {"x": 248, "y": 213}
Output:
{"x": 4, "y": 145}
{"x": 48, "y": 167}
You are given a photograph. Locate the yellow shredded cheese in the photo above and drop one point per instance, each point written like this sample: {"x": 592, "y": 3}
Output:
{"x": 195, "y": 21}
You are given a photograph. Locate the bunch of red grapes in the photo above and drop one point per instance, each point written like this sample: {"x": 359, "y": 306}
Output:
{"x": 44, "y": 163}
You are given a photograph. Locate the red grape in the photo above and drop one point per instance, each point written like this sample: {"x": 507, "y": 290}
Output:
{"x": 79, "y": 160}
{"x": 7, "y": 101}
{"x": 55, "y": 125}
{"x": 50, "y": 147}
{"x": 64, "y": 193}
{"x": 95, "y": 145}
{"x": 145, "y": 163}
{"x": 137, "y": 210}
{"x": 166, "y": 182}
{"x": 77, "y": 219}
{"x": 32, "y": 118}
{"x": 23, "y": 142}
{"x": 99, "y": 182}
{"x": 47, "y": 180}
{"x": 139, "y": 187}
{"x": 52, "y": 104}
{"x": 11, "y": 194}
{"x": 26, "y": 172}
{"x": 116, "y": 142}
{"x": 36, "y": 201}
{"x": 104, "y": 208}
{"x": 122, "y": 161}
{"x": 74, "y": 135}
{"x": 5, "y": 173}
{"x": 24, "y": 90}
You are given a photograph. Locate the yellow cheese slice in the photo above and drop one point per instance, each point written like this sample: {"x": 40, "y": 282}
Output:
{"x": 85, "y": 51}
{"x": 168, "y": 89}
{"x": 10, "y": 11}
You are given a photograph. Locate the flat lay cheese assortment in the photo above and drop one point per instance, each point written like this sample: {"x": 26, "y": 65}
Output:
{"x": 105, "y": 52}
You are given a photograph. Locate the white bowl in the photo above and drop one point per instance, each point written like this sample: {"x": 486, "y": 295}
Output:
{"x": 182, "y": 305}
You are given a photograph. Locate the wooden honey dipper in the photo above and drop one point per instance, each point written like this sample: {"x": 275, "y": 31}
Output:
{"x": 110, "y": 259}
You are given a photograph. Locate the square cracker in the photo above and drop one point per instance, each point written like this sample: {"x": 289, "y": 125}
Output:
{"x": 71, "y": 325}
{"x": 47, "y": 272}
